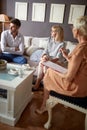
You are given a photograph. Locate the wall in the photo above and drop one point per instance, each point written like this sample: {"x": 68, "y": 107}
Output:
{"x": 41, "y": 29}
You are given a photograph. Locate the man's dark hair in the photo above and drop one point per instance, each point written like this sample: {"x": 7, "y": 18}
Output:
{"x": 16, "y": 22}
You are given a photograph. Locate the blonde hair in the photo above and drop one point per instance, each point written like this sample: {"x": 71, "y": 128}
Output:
{"x": 81, "y": 24}
{"x": 60, "y": 31}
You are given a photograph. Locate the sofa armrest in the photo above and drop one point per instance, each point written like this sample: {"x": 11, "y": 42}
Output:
{"x": 27, "y": 41}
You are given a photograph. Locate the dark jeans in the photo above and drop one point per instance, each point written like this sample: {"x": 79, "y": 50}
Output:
{"x": 13, "y": 58}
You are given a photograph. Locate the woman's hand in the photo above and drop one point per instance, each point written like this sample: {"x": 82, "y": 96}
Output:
{"x": 44, "y": 58}
{"x": 64, "y": 53}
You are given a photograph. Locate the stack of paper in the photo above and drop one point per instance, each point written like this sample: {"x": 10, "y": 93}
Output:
{"x": 55, "y": 66}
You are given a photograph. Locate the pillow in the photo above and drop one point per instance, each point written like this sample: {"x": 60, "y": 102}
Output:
{"x": 37, "y": 41}
{"x": 70, "y": 46}
{"x": 27, "y": 41}
{"x": 43, "y": 43}
{"x": 35, "y": 56}
{"x": 30, "y": 50}
{"x": 0, "y": 47}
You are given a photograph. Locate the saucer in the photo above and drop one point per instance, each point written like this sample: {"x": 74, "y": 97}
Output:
{"x": 13, "y": 72}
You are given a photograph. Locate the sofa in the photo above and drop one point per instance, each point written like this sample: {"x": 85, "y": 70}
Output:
{"x": 34, "y": 47}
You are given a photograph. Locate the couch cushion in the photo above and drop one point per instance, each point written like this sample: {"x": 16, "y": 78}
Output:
{"x": 40, "y": 42}
{"x": 43, "y": 43}
{"x": 35, "y": 41}
{"x": 30, "y": 50}
{"x": 27, "y": 41}
{"x": 70, "y": 46}
{"x": 36, "y": 55}
{"x": 0, "y": 47}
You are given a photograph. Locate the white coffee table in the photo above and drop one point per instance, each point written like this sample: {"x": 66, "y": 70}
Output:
{"x": 17, "y": 95}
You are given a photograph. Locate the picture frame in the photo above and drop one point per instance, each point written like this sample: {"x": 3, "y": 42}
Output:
{"x": 21, "y": 10}
{"x": 75, "y": 12}
{"x": 38, "y": 12}
{"x": 57, "y": 13}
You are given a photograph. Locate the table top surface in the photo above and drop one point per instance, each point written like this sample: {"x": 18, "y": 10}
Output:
{"x": 10, "y": 79}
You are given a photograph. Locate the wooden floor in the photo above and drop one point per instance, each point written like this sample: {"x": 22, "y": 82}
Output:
{"x": 63, "y": 118}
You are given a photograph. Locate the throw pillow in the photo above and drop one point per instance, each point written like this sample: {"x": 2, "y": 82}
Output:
{"x": 70, "y": 45}
{"x": 35, "y": 56}
{"x": 27, "y": 41}
{"x": 43, "y": 43}
{"x": 30, "y": 50}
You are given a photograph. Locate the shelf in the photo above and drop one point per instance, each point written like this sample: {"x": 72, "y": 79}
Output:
{"x": 3, "y": 93}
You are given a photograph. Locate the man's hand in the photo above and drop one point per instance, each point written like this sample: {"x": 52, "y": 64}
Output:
{"x": 16, "y": 48}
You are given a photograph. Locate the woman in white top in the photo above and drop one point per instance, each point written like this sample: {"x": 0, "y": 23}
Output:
{"x": 52, "y": 52}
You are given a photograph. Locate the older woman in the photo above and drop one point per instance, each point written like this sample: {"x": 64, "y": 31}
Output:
{"x": 74, "y": 82}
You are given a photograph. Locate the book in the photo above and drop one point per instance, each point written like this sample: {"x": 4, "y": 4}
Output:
{"x": 55, "y": 66}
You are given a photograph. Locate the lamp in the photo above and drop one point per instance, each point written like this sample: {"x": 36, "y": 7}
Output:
{"x": 4, "y": 19}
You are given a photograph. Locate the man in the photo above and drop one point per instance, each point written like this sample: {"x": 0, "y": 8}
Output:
{"x": 12, "y": 43}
